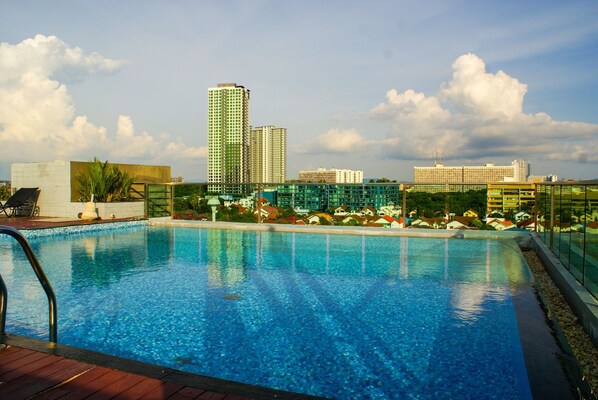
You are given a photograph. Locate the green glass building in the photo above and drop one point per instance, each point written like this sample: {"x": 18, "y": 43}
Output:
{"x": 320, "y": 197}
{"x": 228, "y": 138}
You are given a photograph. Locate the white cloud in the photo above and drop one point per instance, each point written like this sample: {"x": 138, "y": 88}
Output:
{"x": 38, "y": 120}
{"x": 50, "y": 57}
{"x": 479, "y": 115}
{"x": 336, "y": 141}
{"x": 129, "y": 145}
{"x": 482, "y": 94}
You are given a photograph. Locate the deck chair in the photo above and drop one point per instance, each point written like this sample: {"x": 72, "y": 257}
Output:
{"x": 22, "y": 202}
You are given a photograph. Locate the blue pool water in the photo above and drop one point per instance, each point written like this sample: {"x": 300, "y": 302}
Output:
{"x": 329, "y": 315}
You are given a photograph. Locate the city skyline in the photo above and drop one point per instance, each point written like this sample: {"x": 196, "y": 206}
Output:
{"x": 379, "y": 87}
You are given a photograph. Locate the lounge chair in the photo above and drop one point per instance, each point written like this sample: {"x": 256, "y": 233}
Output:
{"x": 22, "y": 202}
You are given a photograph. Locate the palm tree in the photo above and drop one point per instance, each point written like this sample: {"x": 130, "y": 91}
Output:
{"x": 106, "y": 183}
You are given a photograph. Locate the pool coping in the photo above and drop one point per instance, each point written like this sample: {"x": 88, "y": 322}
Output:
{"x": 165, "y": 374}
{"x": 519, "y": 236}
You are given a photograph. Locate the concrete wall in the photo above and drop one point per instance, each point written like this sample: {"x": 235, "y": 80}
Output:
{"x": 142, "y": 173}
{"x": 120, "y": 210}
{"x": 54, "y": 180}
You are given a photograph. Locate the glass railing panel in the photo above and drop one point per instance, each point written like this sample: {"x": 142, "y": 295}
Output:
{"x": 158, "y": 200}
{"x": 576, "y": 227}
{"x": 540, "y": 210}
{"x": 555, "y": 223}
{"x": 564, "y": 226}
{"x": 590, "y": 269}
{"x": 544, "y": 224}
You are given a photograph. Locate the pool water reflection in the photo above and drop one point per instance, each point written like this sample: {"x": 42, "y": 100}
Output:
{"x": 328, "y": 315}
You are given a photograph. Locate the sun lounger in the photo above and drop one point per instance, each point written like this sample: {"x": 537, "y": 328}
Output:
{"x": 22, "y": 202}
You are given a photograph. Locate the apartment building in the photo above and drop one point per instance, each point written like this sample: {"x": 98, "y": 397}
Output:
{"x": 268, "y": 154}
{"x": 328, "y": 196}
{"x": 228, "y": 137}
{"x": 510, "y": 196}
{"x": 517, "y": 171}
{"x": 322, "y": 175}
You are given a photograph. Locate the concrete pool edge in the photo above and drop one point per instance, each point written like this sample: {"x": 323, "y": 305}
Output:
{"x": 152, "y": 370}
{"x": 522, "y": 237}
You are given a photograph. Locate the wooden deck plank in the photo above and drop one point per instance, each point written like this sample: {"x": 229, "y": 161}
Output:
{"x": 186, "y": 393}
{"x": 25, "y": 366}
{"x": 41, "y": 379}
{"x": 86, "y": 387}
{"x": 122, "y": 384}
{"x": 22, "y": 357}
{"x": 164, "y": 391}
{"x": 82, "y": 386}
{"x": 51, "y": 377}
{"x": 12, "y": 353}
{"x": 211, "y": 396}
{"x": 142, "y": 388}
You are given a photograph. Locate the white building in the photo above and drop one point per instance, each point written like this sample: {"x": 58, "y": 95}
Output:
{"x": 331, "y": 176}
{"x": 517, "y": 171}
{"x": 268, "y": 154}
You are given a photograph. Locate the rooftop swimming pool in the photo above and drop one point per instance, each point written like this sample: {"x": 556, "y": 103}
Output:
{"x": 342, "y": 316}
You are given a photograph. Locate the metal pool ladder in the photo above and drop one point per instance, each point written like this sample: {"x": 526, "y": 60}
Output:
{"x": 41, "y": 276}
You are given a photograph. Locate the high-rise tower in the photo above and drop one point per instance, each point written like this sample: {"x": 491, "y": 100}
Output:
{"x": 228, "y": 137}
{"x": 268, "y": 154}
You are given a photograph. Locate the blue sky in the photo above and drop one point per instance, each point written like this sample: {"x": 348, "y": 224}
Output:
{"x": 379, "y": 86}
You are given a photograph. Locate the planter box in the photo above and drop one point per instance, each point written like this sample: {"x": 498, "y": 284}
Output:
{"x": 126, "y": 209}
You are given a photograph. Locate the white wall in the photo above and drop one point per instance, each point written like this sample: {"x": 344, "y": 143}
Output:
{"x": 54, "y": 181}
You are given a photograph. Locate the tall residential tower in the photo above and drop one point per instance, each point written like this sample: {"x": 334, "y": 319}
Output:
{"x": 228, "y": 137}
{"x": 268, "y": 154}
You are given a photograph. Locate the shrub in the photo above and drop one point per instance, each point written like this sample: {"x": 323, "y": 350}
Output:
{"x": 107, "y": 183}
{"x": 4, "y": 192}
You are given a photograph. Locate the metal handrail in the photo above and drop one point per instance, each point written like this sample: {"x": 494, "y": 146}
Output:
{"x": 41, "y": 276}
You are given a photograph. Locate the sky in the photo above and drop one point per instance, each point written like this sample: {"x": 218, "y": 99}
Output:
{"x": 378, "y": 86}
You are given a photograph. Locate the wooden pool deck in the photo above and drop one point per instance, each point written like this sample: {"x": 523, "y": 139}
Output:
{"x": 35, "y": 369}
{"x": 29, "y": 374}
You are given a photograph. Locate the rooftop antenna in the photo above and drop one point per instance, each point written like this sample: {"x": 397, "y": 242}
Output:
{"x": 437, "y": 157}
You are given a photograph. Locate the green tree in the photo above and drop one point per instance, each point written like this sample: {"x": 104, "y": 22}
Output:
{"x": 288, "y": 212}
{"x": 487, "y": 227}
{"x": 107, "y": 183}
{"x": 4, "y": 192}
{"x": 324, "y": 221}
{"x": 352, "y": 222}
{"x": 476, "y": 223}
